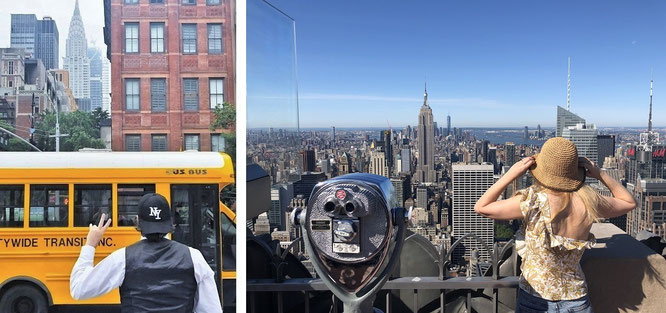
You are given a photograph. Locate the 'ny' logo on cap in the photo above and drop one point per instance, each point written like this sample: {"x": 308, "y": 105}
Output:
{"x": 155, "y": 212}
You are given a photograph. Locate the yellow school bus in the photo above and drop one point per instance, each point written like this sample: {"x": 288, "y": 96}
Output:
{"x": 48, "y": 199}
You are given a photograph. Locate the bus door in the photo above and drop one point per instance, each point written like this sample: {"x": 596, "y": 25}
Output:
{"x": 196, "y": 217}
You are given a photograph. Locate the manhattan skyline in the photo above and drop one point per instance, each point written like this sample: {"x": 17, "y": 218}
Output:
{"x": 486, "y": 64}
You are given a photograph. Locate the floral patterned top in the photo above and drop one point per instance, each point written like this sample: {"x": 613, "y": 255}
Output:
{"x": 551, "y": 263}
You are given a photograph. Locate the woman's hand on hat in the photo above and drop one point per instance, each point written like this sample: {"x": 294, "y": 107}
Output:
{"x": 591, "y": 170}
{"x": 521, "y": 167}
{"x": 97, "y": 231}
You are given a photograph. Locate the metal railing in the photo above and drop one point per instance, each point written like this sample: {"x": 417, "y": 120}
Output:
{"x": 278, "y": 285}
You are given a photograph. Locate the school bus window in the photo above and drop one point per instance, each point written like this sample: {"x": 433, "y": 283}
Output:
{"x": 128, "y": 202}
{"x": 90, "y": 201}
{"x": 48, "y": 205}
{"x": 11, "y": 205}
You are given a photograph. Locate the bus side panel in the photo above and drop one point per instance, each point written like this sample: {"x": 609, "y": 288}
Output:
{"x": 49, "y": 256}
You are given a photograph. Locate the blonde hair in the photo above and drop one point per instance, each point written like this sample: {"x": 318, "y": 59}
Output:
{"x": 592, "y": 200}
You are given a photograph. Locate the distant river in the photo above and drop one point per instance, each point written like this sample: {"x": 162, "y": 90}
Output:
{"x": 501, "y": 136}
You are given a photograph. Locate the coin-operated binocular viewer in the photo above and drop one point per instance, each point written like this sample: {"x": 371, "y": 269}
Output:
{"x": 353, "y": 232}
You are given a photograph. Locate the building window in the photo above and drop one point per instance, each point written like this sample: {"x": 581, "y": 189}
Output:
{"x": 134, "y": 1}
{"x": 48, "y": 205}
{"x": 216, "y": 92}
{"x": 158, "y": 94}
{"x": 192, "y": 142}
{"x": 189, "y": 2}
{"x": 131, "y": 37}
{"x": 158, "y": 142}
{"x": 132, "y": 142}
{"x": 10, "y": 65}
{"x": 157, "y": 1}
{"x": 217, "y": 143}
{"x": 191, "y": 94}
{"x": 156, "y": 37}
{"x": 215, "y": 38}
{"x": 90, "y": 202}
{"x": 189, "y": 38}
{"x": 213, "y": 2}
{"x": 132, "y": 94}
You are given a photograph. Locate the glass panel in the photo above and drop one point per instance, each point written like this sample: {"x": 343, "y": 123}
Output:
{"x": 213, "y": 2}
{"x": 159, "y": 142}
{"x": 191, "y": 142}
{"x": 271, "y": 110}
{"x": 90, "y": 201}
{"x": 128, "y": 202}
{"x": 132, "y": 142}
{"x": 11, "y": 206}
{"x": 157, "y": 37}
{"x": 215, "y": 38}
{"x": 217, "y": 143}
{"x": 131, "y": 37}
{"x": 216, "y": 92}
{"x": 132, "y": 94}
{"x": 191, "y": 94}
{"x": 228, "y": 244}
{"x": 196, "y": 217}
{"x": 156, "y": 1}
{"x": 189, "y": 2}
{"x": 158, "y": 94}
{"x": 229, "y": 295}
{"x": 48, "y": 205}
{"x": 189, "y": 38}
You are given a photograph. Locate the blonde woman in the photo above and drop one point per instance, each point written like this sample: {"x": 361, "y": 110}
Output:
{"x": 557, "y": 212}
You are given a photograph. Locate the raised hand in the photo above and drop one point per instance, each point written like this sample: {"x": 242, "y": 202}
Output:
{"x": 97, "y": 231}
{"x": 591, "y": 170}
{"x": 520, "y": 167}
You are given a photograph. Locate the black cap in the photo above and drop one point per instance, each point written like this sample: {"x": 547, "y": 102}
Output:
{"x": 154, "y": 215}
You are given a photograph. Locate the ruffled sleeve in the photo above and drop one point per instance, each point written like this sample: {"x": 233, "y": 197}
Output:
{"x": 527, "y": 201}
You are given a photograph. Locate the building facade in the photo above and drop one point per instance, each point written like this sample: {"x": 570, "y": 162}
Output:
{"x": 470, "y": 181}
{"x": 378, "y": 164}
{"x": 585, "y": 139}
{"x": 425, "y": 168}
{"x": 172, "y": 62}
{"x": 605, "y": 147}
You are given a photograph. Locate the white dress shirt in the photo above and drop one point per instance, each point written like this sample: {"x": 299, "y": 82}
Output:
{"x": 88, "y": 281}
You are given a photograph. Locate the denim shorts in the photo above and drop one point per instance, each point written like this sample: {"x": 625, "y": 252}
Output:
{"x": 527, "y": 303}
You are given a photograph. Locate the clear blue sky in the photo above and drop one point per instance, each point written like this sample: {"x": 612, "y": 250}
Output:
{"x": 488, "y": 63}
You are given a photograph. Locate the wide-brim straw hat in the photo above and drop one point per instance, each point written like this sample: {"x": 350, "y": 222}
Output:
{"x": 556, "y": 166}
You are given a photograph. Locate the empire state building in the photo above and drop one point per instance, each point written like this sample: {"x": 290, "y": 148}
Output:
{"x": 425, "y": 168}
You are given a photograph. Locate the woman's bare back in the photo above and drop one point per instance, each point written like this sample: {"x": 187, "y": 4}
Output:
{"x": 571, "y": 221}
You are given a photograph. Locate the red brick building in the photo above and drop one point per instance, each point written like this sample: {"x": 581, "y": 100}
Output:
{"x": 169, "y": 60}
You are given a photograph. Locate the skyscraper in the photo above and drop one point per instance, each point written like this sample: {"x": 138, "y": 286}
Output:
{"x": 378, "y": 165}
{"x": 425, "y": 168}
{"x": 585, "y": 139}
{"x": 96, "y": 69}
{"x": 387, "y": 137}
{"x": 605, "y": 147}
{"x": 566, "y": 118}
{"x": 469, "y": 184}
{"x": 39, "y": 38}
{"x": 406, "y": 160}
{"x": 448, "y": 125}
{"x": 309, "y": 161}
{"x": 510, "y": 152}
{"x": 76, "y": 57}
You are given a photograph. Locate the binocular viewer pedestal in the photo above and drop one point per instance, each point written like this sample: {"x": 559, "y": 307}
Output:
{"x": 353, "y": 232}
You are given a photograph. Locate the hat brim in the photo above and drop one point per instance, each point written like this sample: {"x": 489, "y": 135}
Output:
{"x": 557, "y": 183}
{"x": 156, "y": 227}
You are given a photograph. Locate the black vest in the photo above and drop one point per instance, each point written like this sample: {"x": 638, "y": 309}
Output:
{"x": 159, "y": 277}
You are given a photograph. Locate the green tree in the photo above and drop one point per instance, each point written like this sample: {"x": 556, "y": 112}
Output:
{"x": 503, "y": 231}
{"x": 13, "y": 144}
{"x": 81, "y": 127}
{"x": 99, "y": 115}
{"x": 225, "y": 120}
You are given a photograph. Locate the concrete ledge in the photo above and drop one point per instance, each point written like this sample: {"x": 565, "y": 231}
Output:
{"x": 624, "y": 275}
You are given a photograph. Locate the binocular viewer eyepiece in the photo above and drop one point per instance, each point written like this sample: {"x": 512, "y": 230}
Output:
{"x": 353, "y": 231}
